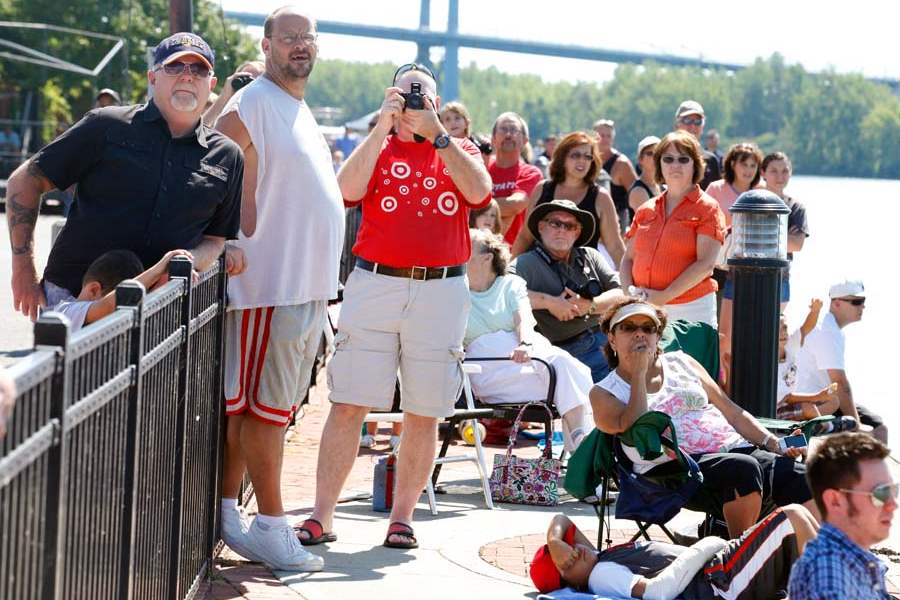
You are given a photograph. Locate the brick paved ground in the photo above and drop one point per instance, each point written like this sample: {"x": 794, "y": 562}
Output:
{"x": 234, "y": 578}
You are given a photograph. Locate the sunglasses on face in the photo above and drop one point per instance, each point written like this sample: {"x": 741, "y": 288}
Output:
{"x": 647, "y": 328}
{"x": 696, "y": 121}
{"x": 646, "y": 153}
{"x": 854, "y": 301}
{"x": 880, "y": 494}
{"x": 404, "y": 69}
{"x": 555, "y": 224}
{"x": 581, "y": 156}
{"x": 682, "y": 160}
{"x": 176, "y": 68}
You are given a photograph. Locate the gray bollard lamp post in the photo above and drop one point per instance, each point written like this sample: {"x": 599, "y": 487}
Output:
{"x": 757, "y": 256}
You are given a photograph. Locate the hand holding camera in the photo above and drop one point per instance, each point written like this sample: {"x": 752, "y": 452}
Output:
{"x": 419, "y": 113}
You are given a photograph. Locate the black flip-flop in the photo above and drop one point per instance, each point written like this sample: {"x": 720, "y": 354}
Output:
{"x": 403, "y": 531}
{"x": 314, "y": 539}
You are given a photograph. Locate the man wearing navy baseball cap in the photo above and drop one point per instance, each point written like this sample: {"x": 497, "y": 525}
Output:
{"x": 148, "y": 178}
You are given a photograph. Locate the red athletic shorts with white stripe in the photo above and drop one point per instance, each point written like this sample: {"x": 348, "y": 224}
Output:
{"x": 269, "y": 356}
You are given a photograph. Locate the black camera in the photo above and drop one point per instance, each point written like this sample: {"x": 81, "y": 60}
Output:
{"x": 484, "y": 144}
{"x": 590, "y": 290}
{"x": 414, "y": 100}
{"x": 239, "y": 81}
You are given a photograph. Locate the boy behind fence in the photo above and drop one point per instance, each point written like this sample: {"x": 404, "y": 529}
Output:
{"x": 97, "y": 298}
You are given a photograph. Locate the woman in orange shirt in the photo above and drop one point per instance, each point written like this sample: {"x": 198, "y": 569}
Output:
{"x": 675, "y": 238}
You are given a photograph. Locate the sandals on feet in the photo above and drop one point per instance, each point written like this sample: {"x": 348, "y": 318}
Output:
{"x": 316, "y": 533}
{"x": 403, "y": 531}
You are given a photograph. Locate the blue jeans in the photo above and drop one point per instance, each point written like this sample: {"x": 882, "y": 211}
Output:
{"x": 588, "y": 348}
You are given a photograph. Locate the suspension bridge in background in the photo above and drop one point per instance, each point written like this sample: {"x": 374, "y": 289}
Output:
{"x": 452, "y": 40}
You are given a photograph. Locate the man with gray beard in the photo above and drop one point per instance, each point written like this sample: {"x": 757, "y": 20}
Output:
{"x": 292, "y": 231}
{"x": 148, "y": 178}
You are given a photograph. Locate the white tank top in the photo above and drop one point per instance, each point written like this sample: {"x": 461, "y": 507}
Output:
{"x": 293, "y": 256}
{"x": 700, "y": 427}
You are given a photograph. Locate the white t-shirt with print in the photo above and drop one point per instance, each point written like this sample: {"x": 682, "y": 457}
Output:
{"x": 787, "y": 369}
{"x": 294, "y": 254}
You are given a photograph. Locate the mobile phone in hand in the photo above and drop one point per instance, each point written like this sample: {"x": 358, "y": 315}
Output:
{"x": 792, "y": 441}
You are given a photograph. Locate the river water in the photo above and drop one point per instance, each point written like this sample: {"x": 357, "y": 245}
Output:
{"x": 853, "y": 225}
{"x": 853, "y": 230}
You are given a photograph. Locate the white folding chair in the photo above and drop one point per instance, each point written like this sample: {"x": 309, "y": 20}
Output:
{"x": 470, "y": 412}
{"x": 460, "y": 414}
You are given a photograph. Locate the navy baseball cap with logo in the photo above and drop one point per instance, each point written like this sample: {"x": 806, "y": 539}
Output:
{"x": 181, "y": 44}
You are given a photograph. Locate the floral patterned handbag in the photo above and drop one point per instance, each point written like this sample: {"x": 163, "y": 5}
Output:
{"x": 525, "y": 480}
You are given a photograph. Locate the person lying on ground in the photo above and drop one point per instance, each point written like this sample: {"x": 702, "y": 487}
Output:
{"x": 97, "y": 298}
{"x": 755, "y": 565}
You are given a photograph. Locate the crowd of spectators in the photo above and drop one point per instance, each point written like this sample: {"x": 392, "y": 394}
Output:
{"x": 444, "y": 242}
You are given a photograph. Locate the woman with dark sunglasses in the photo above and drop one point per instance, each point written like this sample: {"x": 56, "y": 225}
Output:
{"x": 743, "y": 465}
{"x": 674, "y": 239}
{"x": 573, "y": 173}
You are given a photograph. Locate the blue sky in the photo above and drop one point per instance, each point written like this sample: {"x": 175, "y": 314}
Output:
{"x": 850, "y": 37}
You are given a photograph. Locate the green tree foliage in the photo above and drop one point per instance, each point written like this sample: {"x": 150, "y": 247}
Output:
{"x": 830, "y": 124}
{"x": 142, "y": 23}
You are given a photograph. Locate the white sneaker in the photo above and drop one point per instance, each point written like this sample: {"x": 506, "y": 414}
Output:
{"x": 367, "y": 441}
{"x": 279, "y": 548}
{"x": 395, "y": 442}
{"x": 234, "y": 533}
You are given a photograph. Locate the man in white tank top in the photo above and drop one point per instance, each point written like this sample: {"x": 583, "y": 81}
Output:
{"x": 292, "y": 229}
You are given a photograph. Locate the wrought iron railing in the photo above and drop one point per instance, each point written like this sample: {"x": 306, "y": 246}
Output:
{"x": 110, "y": 469}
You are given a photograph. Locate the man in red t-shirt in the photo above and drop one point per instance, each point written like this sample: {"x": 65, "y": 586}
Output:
{"x": 407, "y": 302}
{"x": 513, "y": 178}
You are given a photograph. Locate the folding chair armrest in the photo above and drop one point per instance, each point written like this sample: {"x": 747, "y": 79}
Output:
{"x": 551, "y": 372}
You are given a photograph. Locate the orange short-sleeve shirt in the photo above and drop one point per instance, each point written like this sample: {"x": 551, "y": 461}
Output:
{"x": 665, "y": 246}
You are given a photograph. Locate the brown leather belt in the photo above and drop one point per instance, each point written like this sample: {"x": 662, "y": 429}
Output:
{"x": 417, "y": 273}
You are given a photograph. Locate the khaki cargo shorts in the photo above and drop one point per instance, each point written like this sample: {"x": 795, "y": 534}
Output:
{"x": 393, "y": 323}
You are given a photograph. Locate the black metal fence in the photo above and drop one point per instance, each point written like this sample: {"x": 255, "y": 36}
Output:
{"x": 110, "y": 469}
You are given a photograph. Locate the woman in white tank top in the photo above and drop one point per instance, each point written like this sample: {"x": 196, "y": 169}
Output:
{"x": 706, "y": 421}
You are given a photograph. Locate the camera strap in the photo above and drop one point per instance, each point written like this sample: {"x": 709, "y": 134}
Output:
{"x": 556, "y": 265}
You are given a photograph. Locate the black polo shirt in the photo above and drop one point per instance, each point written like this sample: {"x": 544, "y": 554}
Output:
{"x": 138, "y": 188}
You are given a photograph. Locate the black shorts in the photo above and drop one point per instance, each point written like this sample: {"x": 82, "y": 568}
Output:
{"x": 729, "y": 475}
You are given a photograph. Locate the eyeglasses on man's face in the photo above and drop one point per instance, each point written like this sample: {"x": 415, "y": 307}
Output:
{"x": 880, "y": 494}
{"x": 177, "y": 67}
{"x": 694, "y": 121}
{"x": 854, "y": 301}
{"x": 564, "y": 225}
{"x": 290, "y": 39}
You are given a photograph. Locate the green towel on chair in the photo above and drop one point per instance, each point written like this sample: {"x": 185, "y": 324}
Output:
{"x": 593, "y": 457}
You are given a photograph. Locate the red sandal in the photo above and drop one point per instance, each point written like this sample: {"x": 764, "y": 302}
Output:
{"x": 311, "y": 526}
{"x": 404, "y": 531}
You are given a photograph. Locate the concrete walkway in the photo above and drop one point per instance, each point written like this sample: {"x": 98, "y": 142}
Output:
{"x": 466, "y": 551}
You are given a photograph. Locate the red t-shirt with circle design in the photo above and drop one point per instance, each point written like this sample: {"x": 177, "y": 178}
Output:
{"x": 413, "y": 213}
